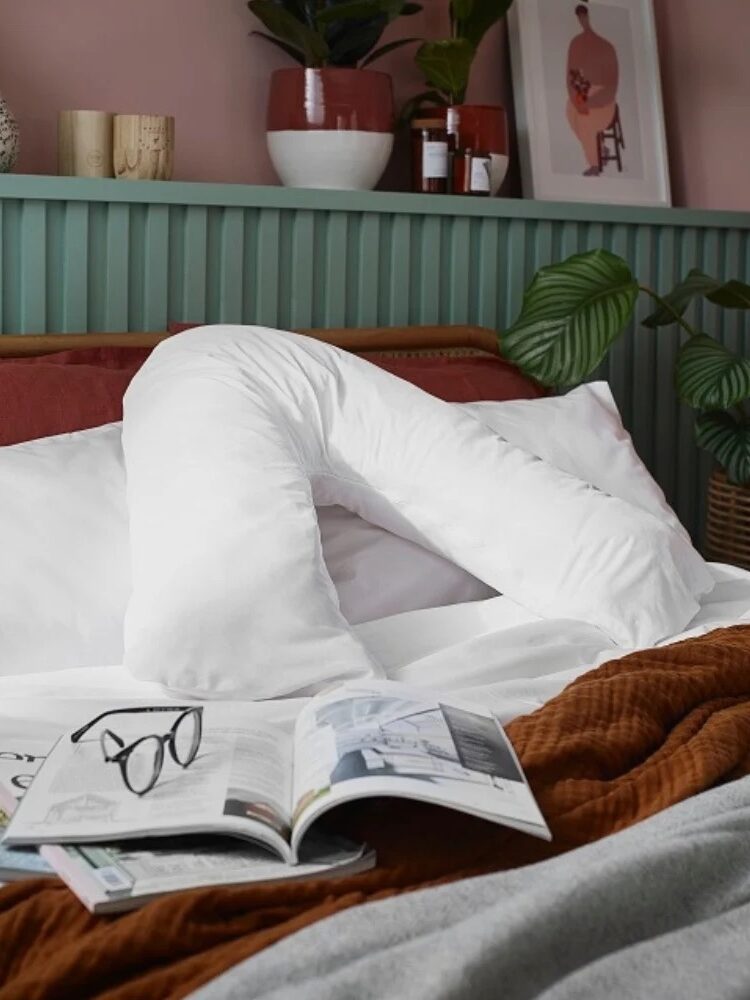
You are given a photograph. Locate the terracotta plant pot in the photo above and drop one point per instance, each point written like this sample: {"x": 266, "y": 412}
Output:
{"x": 330, "y": 128}
{"x": 482, "y": 128}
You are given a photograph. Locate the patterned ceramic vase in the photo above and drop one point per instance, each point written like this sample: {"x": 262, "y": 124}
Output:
{"x": 9, "y": 138}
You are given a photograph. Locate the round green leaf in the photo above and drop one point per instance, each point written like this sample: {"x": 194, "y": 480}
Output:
{"x": 728, "y": 440}
{"x": 709, "y": 377}
{"x": 572, "y": 312}
{"x": 446, "y": 65}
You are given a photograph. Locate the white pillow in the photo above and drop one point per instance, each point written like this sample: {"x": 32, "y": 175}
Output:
{"x": 230, "y": 433}
{"x": 581, "y": 433}
{"x": 65, "y": 564}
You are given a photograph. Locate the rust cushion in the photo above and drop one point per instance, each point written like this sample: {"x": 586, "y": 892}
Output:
{"x": 75, "y": 390}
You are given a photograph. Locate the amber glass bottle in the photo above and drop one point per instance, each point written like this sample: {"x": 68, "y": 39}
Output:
{"x": 429, "y": 156}
{"x": 471, "y": 173}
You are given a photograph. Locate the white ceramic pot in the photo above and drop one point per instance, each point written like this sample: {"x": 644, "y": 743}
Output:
{"x": 345, "y": 161}
{"x": 10, "y": 139}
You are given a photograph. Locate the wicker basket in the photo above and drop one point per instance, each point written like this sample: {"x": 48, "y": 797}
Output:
{"x": 728, "y": 521}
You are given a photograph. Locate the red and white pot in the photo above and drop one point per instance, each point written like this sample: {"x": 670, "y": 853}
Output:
{"x": 331, "y": 127}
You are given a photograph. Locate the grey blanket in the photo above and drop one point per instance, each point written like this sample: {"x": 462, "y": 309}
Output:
{"x": 661, "y": 910}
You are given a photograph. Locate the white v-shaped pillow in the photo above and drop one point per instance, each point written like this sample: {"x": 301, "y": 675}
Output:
{"x": 232, "y": 434}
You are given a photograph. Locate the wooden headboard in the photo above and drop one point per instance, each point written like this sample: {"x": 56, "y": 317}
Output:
{"x": 456, "y": 340}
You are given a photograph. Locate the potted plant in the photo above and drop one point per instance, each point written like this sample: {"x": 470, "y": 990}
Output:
{"x": 574, "y": 311}
{"x": 447, "y": 66}
{"x": 330, "y": 119}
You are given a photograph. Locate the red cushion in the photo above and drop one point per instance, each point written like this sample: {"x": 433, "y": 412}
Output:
{"x": 463, "y": 380}
{"x": 75, "y": 390}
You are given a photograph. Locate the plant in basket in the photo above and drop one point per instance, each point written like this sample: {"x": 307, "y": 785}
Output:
{"x": 330, "y": 119}
{"x": 572, "y": 314}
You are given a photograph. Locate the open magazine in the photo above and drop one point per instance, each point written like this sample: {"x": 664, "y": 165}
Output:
{"x": 114, "y": 877}
{"x": 262, "y": 783}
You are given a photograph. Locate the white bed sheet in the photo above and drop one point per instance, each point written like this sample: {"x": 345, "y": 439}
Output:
{"x": 493, "y": 651}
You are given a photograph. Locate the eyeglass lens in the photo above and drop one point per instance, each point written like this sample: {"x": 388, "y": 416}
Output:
{"x": 186, "y": 737}
{"x": 143, "y": 764}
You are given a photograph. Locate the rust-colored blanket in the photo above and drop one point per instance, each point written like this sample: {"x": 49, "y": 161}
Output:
{"x": 621, "y": 743}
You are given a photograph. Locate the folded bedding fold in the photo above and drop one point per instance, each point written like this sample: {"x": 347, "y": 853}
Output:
{"x": 620, "y": 744}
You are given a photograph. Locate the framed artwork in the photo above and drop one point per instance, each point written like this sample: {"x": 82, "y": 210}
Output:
{"x": 588, "y": 101}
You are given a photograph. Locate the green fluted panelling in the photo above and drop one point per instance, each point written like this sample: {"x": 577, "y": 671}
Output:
{"x": 80, "y": 255}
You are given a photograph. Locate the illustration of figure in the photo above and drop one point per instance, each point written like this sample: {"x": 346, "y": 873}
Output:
{"x": 593, "y": 75}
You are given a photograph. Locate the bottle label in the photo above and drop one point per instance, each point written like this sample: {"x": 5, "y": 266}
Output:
{"x": 480, "y": 174}
{"x": 434, "y": 160}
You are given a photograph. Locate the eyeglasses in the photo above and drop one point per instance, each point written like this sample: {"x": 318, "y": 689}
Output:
{"x": 141, "y": 762}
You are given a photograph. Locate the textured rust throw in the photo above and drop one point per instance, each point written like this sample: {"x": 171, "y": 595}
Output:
{"x": 620, "y": 744}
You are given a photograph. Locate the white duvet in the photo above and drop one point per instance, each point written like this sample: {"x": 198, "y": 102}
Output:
{"x": 493, "y": 652}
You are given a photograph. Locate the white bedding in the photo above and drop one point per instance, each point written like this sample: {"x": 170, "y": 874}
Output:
{"x": 493, "y": 651}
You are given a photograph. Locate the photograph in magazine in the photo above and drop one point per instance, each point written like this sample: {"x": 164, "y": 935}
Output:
{"x": 387, "y": 740}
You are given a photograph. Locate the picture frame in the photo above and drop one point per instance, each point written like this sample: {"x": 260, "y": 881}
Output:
{"x": 588, "y": 99}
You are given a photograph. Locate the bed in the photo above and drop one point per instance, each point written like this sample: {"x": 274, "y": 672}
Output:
{"x": 609, "y": 736}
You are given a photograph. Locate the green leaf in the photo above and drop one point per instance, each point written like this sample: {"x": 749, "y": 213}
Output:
{"x": 296, "y": 54}
{"x": 709, "y": 377}
{"x": 732, "y": 295}
{"x": 461, "y": 9}
{"x": 728, "y": 440}
{"x": 360, "y": 10}
{"x": 385, "y": 49}
{"x": 474, "y": 19}
{"x": 446, "y": 65}
{"x": 572, "y": 312}
{"x": 351, "y": 41}
{"x": 696, "y": 284}
{"x": 288, "y": 29}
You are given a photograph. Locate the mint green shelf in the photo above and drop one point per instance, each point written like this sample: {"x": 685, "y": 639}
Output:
{"x": 81, "y": 255}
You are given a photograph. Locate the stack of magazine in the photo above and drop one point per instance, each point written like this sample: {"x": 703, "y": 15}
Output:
{"x": 246, "y": 809}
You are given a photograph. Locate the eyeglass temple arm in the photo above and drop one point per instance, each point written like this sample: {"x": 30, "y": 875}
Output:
{"x": 79, "y": 733}
{"x": 116, "y": 739}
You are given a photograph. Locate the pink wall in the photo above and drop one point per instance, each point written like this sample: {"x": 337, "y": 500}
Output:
{"x": 194, "y": 59}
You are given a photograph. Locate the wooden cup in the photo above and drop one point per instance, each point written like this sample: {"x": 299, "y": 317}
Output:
{"x": 143, "y": 147}
{"x": 84, "y": 144}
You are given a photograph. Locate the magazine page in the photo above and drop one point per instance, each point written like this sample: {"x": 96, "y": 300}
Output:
{"x": 112, "y": 878}
{"x": 383, "y": 738}
{"x": 239, "y": 783}
{"x": 20, "y": 759}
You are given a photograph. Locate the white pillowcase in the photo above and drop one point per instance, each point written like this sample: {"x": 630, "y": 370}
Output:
{"x": 581, "y": 433}
{"x": 65, "y": 564}
{"x": 232, "y": 433}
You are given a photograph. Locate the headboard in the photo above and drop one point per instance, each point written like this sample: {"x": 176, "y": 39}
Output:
{"x": 452, "y": 340}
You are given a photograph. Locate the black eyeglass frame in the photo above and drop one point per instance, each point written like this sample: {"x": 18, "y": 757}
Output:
{"x": 120, "y": 757}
